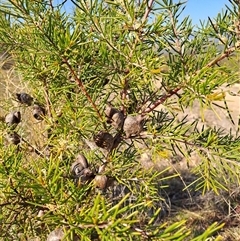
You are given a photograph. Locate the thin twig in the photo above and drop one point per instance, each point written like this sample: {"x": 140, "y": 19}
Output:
{"x": 80, "y": 84}
{"x": 147, "y": 11}
{"x": 51, "y": 4}
{"x": 124, "y": 95}
{"x": 100, "y": 225}
{"x": 160, "y": 101}
{"x": 33, "y": 148}
{"x": 224, "y": 55}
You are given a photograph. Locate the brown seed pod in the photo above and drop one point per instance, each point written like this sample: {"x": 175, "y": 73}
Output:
{"x": 133, "y": 125}
{"x": 114, "y": 117}
{"x": 13, "y": 138}
{"x": 86, "y": 175}
{"x": 104, "y": 140}
{"x": 13, "y": 119}
{"x": 24, "y": 98}
{"x": 117, "y": 120}
{"x": 82, "y": 159}
{"x": 101, "y": 181}
{"x": 79, "y": 164}
{"x": 109, "y": 111}
{"x": 38, "y": 112}
{"x": 79, "y": 169}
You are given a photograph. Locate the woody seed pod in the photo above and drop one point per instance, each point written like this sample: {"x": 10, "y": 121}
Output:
{"x": 109, "y": 111}
{"x": 133, "y": 125}
{"x": 24, "y": 98}
{"x": 13, "y": 138}
{"x": 104, "y": 140}
{"x": 38, "y": 112}
{"x": 80, "y": 170}
{"x": 101, "y": 181}
{"x": 13, "y": 119}
{"x": 117, "y": 120}
{"x": 79, "y": 165}
{"x": 114, "y": 116}
{"x": 86, "y": 175}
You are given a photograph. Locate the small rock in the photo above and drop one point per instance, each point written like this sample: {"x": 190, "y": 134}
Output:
{"x": 58, "y": 234}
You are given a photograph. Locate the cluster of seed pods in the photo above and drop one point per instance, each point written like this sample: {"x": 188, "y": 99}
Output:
{"x": 82, "y": 173}
{"x": 130, "y": 125}
{"x": 13, "y": 118}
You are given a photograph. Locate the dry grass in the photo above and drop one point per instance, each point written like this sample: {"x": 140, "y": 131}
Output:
{"x": 201, "y": 211}
{"x": 29, "y": 129}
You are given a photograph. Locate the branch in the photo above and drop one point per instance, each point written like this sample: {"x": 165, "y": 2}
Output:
{"x": 80, "y": 84}
{"x": 39, "y": 153}
{"x": 160, "y": 101}
{"x": 77, "y": 80}
{"x": 224, "y": 55}
{"x": 148, "y": 10}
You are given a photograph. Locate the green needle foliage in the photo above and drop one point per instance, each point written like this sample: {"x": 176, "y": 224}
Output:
{"x": 145, "y": 59}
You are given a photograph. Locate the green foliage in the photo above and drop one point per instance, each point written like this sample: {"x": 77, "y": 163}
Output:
{"x": 137, "y": 55}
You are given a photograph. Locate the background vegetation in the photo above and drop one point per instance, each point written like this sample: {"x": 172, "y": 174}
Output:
{"x": 148, "y": 62}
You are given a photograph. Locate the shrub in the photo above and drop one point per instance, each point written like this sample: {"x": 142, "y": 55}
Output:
{"x": 109, "y": 82}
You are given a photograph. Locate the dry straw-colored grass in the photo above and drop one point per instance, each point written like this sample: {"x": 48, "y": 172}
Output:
{"x": 29, "y": 129}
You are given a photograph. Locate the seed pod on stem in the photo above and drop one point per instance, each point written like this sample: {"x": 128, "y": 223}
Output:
{"x": 114, "y": 116}
{"x": 13, "y": 119}
{"x": 13, "y": 138}
{"x": 101, "y": 181}
{"x": 38, "y": 112}
{"x": 24, "y": 98}
{"x": 80, "y": 170}
{"x": 79, "y": 164}
{"x": 133, "y": 125}
{"x": 104, "y": 140}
